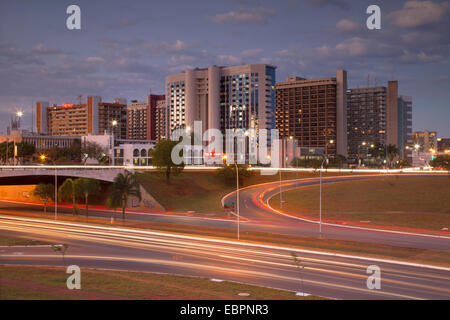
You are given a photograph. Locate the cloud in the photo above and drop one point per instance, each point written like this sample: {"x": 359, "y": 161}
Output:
{"x": 44, "y": 49}
{"x": 419, "y": 13}
{"x": 245, "y": 16}
{"x": 347, "y": 26}
{"x": 323, "y": 3}
{"x": 12, "y": 55}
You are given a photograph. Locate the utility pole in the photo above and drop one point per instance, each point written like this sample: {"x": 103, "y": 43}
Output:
{"x": 237, "y": 199}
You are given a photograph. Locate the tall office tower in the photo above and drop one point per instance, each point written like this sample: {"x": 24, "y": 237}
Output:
{"x": 222, "y": 97}
{"x": 425, "y": 140}
{"x": 161, "y": 124}
{"x": 392, "y": 116}
{"x": 314, "y": 112}
{"x": 378, "y": 115}
{"x": 141, "y": 123}
{"x": 366, "y": 119}
{"x": 94, "y": 117}
{"x": 41, "y": 117}
{"x": 405, "y": 142}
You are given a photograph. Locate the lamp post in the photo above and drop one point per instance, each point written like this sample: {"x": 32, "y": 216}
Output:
{"x": 237, "y": 199}
{"x": 19, "y": 115}
{"x": 320, "y": 203}
{"x": 114, "y": 124}
{"x": 325, "y": 159}
{"x": 43, "y": 158}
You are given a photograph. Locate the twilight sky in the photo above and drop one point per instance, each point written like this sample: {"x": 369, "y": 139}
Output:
{"x": 126, "y": 47}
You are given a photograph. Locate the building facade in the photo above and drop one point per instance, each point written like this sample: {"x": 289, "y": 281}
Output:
{"x": 222, "y": 98}
{"x": 313, "y": 112}
{"x": 94, "y": 117}
{"x": 425, "y": 140}
{"x": 141, "y": 123}
{"x": 161, "y": 121}
{"x": 366, "y": 119}
{"x": 40, "y": 141}
{"x": 377, "y": 115}
{"x": 443, "y": 145}
{"x": 405, "y": 140}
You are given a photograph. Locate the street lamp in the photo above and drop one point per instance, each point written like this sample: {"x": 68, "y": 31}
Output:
{"x": 114, "y": 124}
{"x": 19, "y": 115}
{"x": 320, "y": 204}
{"x": 326, "y": 147}
{"x": 237, "y": 199}
{"x": 43, "y": 157}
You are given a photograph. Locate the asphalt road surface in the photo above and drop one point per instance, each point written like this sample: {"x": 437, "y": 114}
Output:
{"x": 257, "y": 217}
{"x": 326, "y": 275}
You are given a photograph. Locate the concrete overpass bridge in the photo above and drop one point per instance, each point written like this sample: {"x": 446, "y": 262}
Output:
{"x": 39, "y": 173}
{"x": 35, "y": 174}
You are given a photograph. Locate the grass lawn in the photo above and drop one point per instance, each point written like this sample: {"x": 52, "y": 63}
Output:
{"x": 11, "y": 241}
{"x": 201, "y": 191}
{"x": 416, "y": 202}
{"x": 23, "y": 282}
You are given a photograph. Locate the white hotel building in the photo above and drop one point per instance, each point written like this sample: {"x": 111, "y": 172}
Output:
{"x": 238, "y": 97}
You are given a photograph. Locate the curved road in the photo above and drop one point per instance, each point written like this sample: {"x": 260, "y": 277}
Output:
{"x": 253, "y": 206}
{"x": 258, "y": 217}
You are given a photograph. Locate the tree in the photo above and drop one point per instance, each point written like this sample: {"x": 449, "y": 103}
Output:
{"x": 68, "y": 190}
{"x": 441, "y": 161}
{"x": 44, "y": 191}
{"x": 162, "y": 158}
{"x": 125, "y": 185}
{"x": 338, "y": 161}
{"x": 227, "y": 174}
{"x": 113, "y": 202}
{"x": 378, "y": 151}
{"x": 93, "y": 150}
{"x": 392, "y": 152}
{"x": 87, "y": 187}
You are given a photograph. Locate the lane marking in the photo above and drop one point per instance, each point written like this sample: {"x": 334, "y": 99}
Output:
{"x": 245, "y": 244}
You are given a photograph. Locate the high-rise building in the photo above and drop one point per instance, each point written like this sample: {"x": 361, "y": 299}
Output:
{"x": 377, "y": 115}
{"x": 405, "y": 141}
{"x": 222, "y": 97}
{"x": 141, "y": 118}
{"x": 366, "y": 119}
{"x": 161, "y": 119}
{"x": 94, "y": 117}
{"x": 313, "y": 112}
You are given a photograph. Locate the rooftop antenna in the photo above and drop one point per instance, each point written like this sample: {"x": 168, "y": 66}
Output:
{"x": 79, "y": 98}
{"x": 368, "y": 80}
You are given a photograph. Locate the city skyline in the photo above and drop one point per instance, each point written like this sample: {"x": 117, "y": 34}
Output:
{"x": 123, "y": 50}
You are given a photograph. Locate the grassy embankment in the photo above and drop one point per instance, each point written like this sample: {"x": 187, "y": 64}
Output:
{"x": 12, "y": 241}
{"x": 414, "y": 202}
{"x": 20, "y": 282}
{"x": 203, "y": 191}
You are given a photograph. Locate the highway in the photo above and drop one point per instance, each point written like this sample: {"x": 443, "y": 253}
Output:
{"x": 328, "y": 275}
{"x": 257, "y": 216}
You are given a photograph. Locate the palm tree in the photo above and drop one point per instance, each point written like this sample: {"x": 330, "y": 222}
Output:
{"x": 45, "y": 191}
{"x": 68, "y": 190}
{"x": 392, "y": 152}
{"x": 125, "y": 185}
{"x": 113, "y": 202}
{"x": 86, "y": 187}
